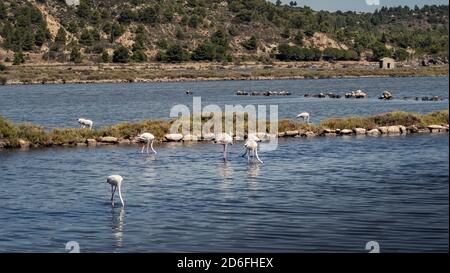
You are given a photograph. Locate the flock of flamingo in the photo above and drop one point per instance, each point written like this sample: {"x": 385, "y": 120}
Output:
{"x": 225, "y": 139}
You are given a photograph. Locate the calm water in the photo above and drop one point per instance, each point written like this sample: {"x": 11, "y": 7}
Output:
{"x": 319, "y": 195}
{"x": 62, "y": 105}
{"x": 310, "y": 195}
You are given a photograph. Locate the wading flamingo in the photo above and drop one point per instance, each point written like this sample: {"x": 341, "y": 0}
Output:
{"x": 251, "y": 150}
{"x": 148, "y": 139}
{"x": 304, "y": 116}
{"x": 224, "y": 139}
{"x": 86, "y": 123}
{"x": 116, "y": 183}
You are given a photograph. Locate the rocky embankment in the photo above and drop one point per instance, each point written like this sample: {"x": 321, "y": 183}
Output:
{"x": 304, "y": 131}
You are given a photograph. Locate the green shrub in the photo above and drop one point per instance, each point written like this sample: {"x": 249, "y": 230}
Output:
{"x": 19, "y": 58}
{"x": 121, "y": 55}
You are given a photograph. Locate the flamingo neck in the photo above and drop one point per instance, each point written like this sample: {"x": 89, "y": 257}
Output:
{"x": 120, "y": 195}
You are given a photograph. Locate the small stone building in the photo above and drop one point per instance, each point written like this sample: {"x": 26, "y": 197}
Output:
{"x": 72, "y": 2}
{"x": 387, "y": 63}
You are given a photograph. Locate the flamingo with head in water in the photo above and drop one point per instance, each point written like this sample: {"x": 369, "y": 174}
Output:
{"x": 224, "y": 139}
{"x": 86, "y": 123}
{"x": 148, "y": 139}
{"x": 116, "y": 183}
{"x": 251, "y": 149}
{"x": 304, "y": 116}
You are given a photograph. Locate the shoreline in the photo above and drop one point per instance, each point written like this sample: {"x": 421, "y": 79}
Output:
{"x": 25, "y": 136}
{"x": 181, "y": 80}
{"x": 34, "y": 75}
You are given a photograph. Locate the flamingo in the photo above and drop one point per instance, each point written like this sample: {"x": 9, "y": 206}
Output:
{"x": 224, "y": 139}
{"x": 86, "y": 123}
{"x": 251, "y": 149}
{"x": 116, "y": 183}
{"x": 304, "y": 116}
{"x": 148, "y": 139}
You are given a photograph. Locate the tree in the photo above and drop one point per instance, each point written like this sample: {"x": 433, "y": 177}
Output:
{"x": 19, "y": 58}
{"x": 121, "y": 55}
{"x": 220, "y": 38}
{"x": 139, "y": 56}
{"x": 298, "y": 39}
{"x": 75, "y": 55}
{"x": 251, "y": 43}
{"x": 204, "y": 52}
{"x": 127, "y": 16}
{"x": 83, "y": 9}
{"x": 380, "y": 51}
{"x": 384, "y": 38}
{"x": 86, "y": 38}
{"x": 278, "y": 3}
{"x": 162, "y": 44}
{"x": 286, "y": 33}
{"x": 105, "y": 57}
{"x": 139, "y": 41}
{"x": 401, "y": 54}
{"x": 148, "y": 15}
{"x": 40, "y": 37}
{"x": 3, "y": 12}
{"x": 194, "y": 21}
{"x": 295, "y": 53}
{"x": 116, "y": 31}
{"x": 175, "y": 54}
{"x": 28, "y": 41}
{"x": 60, "y": 38}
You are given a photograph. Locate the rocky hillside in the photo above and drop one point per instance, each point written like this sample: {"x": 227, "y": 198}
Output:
{"x": 213, "y": 30}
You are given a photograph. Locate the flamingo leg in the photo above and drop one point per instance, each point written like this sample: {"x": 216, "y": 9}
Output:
{"x": 148, "y": 143}
{"x": 151, "y": 146}
{"x": 143, "y": 147}
{"x": 224, "y": 152}
{"x": 248, "y": 157}
{"x": 112, "y": 195}
{"x": 245, "y": 152}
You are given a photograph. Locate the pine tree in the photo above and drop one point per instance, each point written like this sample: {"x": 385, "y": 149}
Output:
{"x": 60, "y": 39}
{"x": 75, "y": 55}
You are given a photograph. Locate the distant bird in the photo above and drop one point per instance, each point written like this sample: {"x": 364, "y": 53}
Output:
{"x": 224, "y": 139}
{"x": 304, "y": 116}
{"x": 116, "y": 183}
{"x": 251, "y": 150}
{"x": 148, "y": 139}
{"x": 86, "y": 123}
{"x": 189, "y": 92}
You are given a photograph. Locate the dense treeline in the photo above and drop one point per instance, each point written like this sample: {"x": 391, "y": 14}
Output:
{"x": 216, "y": 30}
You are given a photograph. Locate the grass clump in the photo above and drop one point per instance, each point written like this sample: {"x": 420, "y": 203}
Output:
{"x": 387, "y": 119}
{"x": 440, "y": 117}
{"x": 70, "y": 136}
{"x": 348, "y": 123}
{"x": 129, "y": 130}
{"x": 285, "y": 125}
{"x": 36, "y": 135}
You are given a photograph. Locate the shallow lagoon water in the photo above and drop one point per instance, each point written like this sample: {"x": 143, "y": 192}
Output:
{"x": 319, "y": 195}
{"x": 310, "y": 195}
